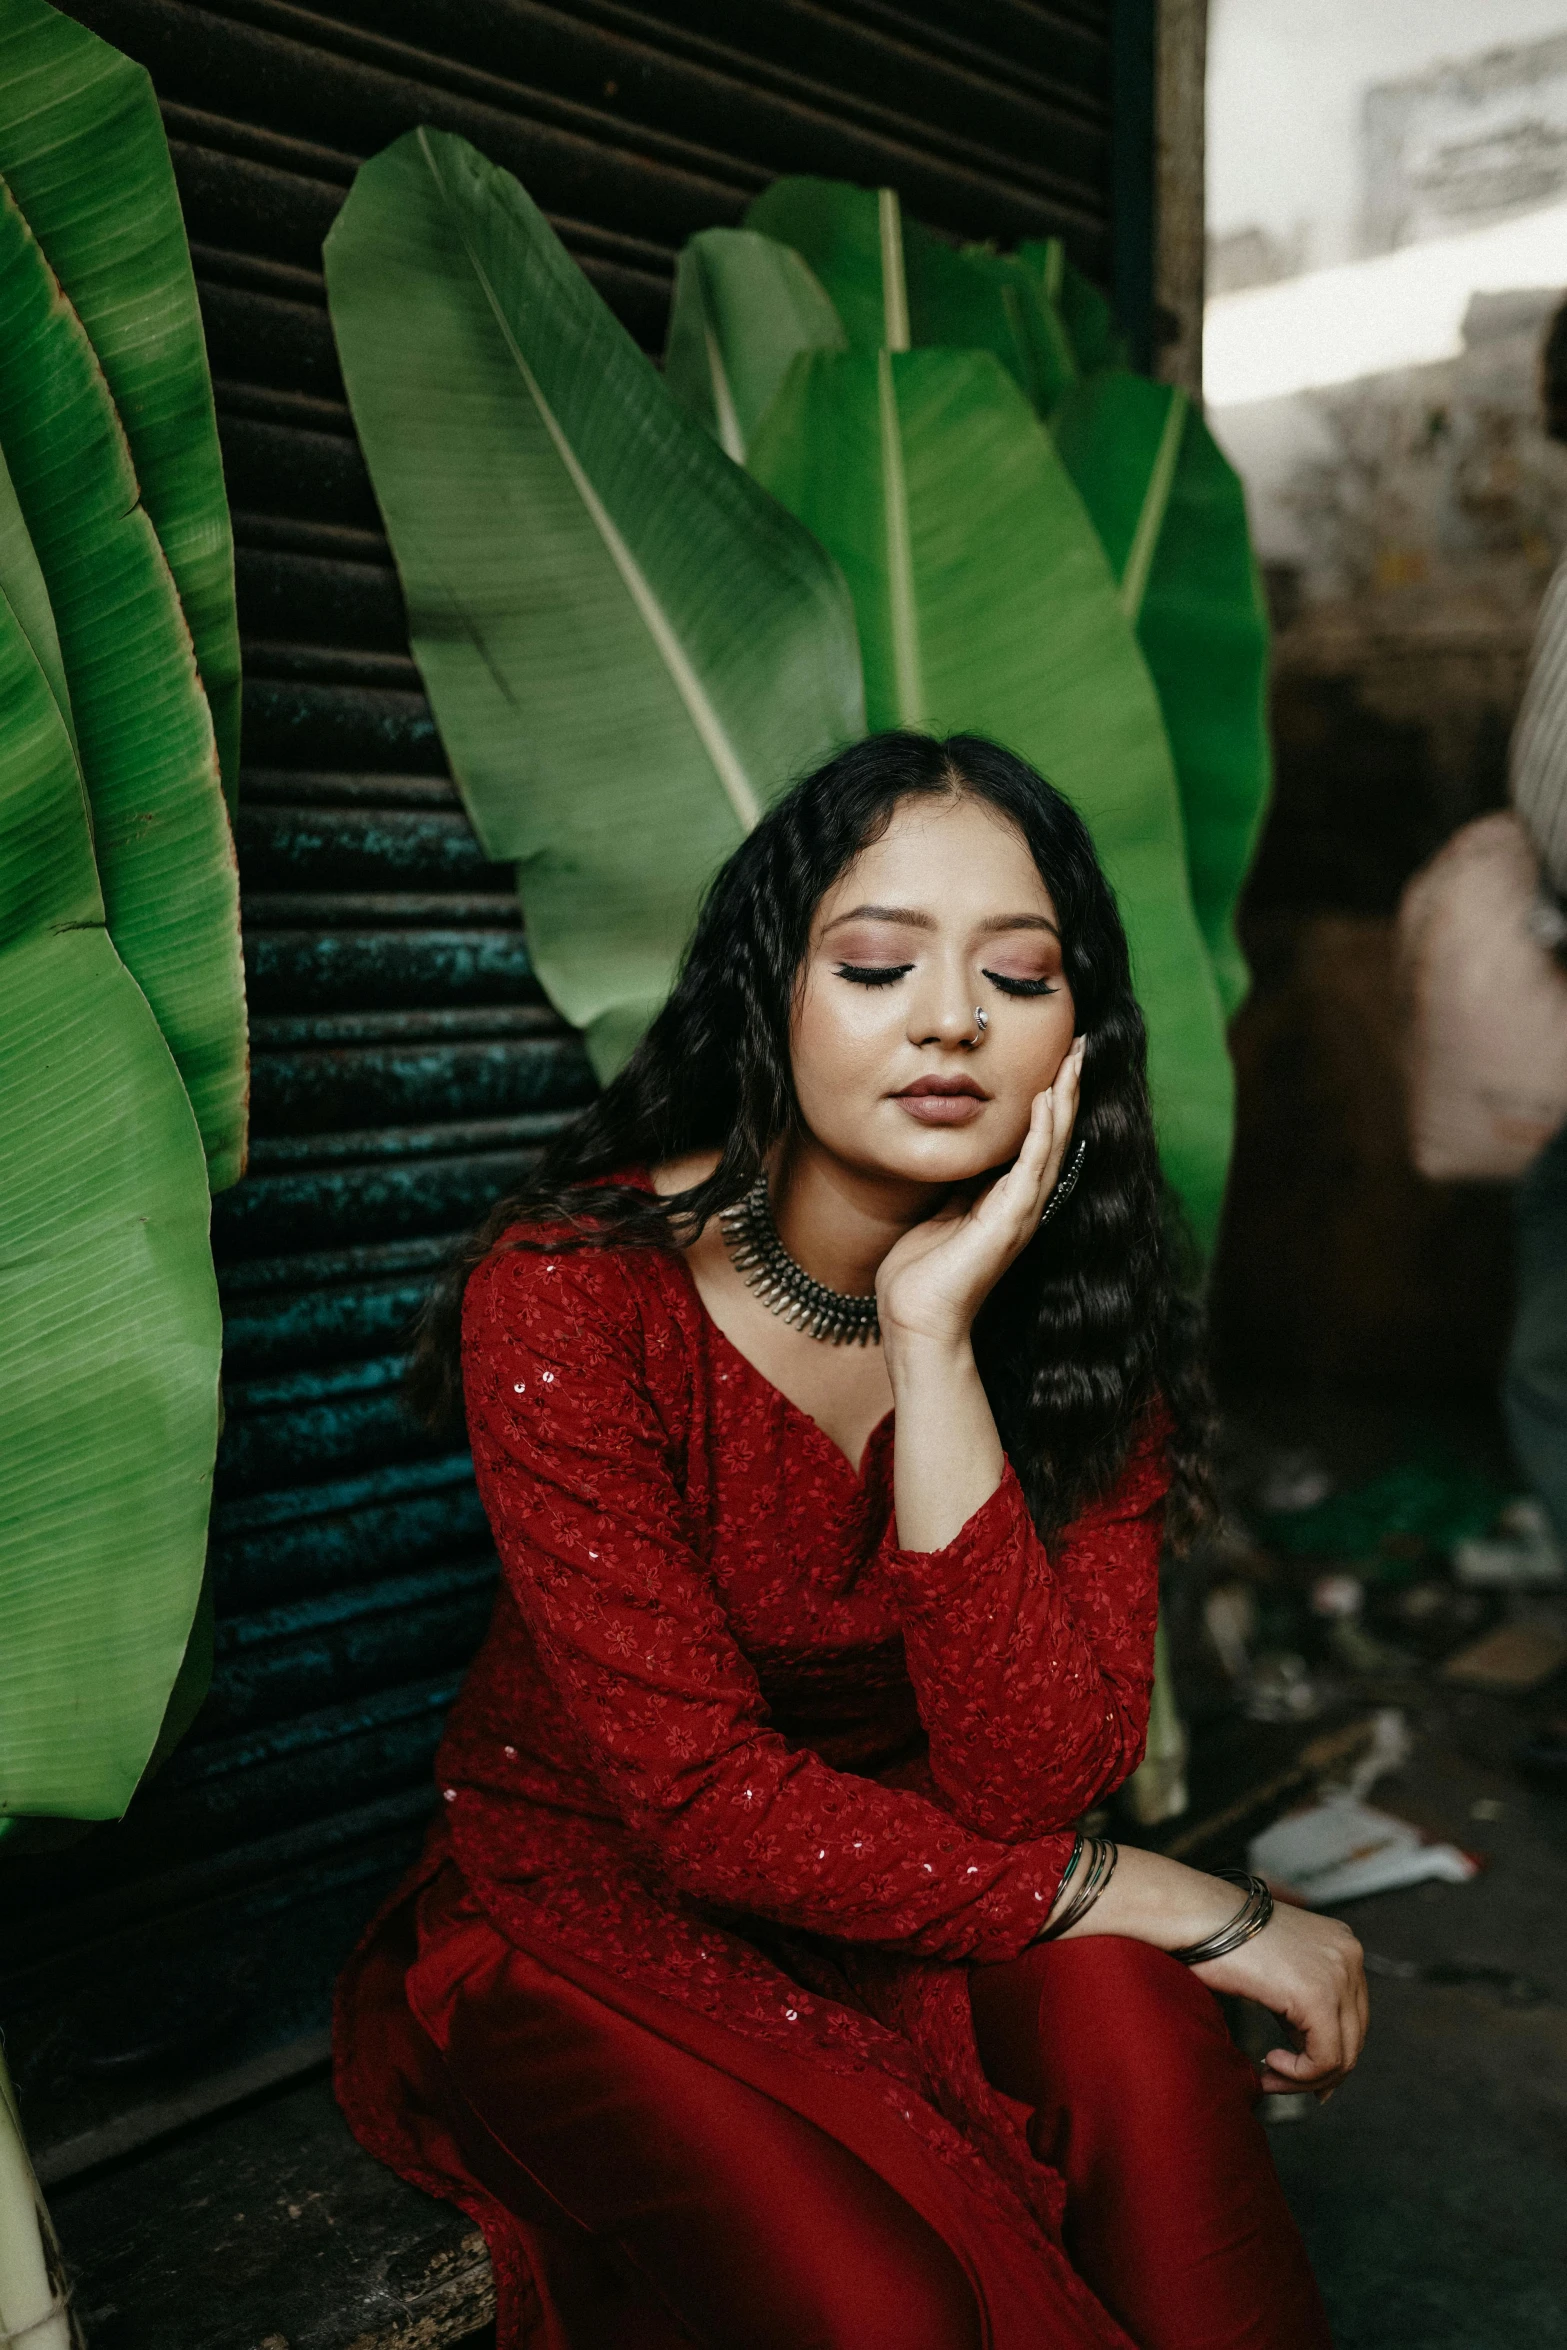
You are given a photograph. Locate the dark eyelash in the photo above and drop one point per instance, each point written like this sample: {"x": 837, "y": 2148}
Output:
{"x": 1022, "y": 986}
{"x": 873, "y": 974}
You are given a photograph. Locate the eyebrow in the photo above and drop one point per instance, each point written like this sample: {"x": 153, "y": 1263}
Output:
{"x": 911, "y": 918}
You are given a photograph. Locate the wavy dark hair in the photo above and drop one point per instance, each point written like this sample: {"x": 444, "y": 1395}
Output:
{"x": 1093, "y": 1320}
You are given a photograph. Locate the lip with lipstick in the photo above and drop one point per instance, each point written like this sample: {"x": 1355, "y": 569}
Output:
{"x": 943, "y": 1101}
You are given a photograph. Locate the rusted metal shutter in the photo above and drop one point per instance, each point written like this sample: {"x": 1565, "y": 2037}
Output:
{"x": 406, "y": 1065}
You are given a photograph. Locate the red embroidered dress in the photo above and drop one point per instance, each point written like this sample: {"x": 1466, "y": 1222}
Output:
{"x": 749, "y": 1772}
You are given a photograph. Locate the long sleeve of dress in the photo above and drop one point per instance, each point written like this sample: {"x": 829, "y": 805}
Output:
{"x": 575, "y": 1468}
{"x": 1032, "y": 1673}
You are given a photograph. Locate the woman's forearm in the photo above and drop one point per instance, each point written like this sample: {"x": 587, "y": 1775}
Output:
{"x": 947, "y": 1456}
{"x": 1308, "y": 1970}
{"x": 1152, "y": 1899}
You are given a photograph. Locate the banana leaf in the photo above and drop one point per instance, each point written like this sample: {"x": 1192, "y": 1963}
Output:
{"x": 743, "y": 307}
{"x": 83, "y": 150}
{"x": 1085, "y": 315}
{"x": 968, "y": 297}
{"x": 841, "y": 231}
{"x": 1171, "y": 514}
{"x": 630, "y": 650}
{"x": 164, "y": 847}
{"x": 973, "y": 299}
{"x": 1191, "y": 590}
{"x": 985, "y": 603}
{"x": 109, "y": 1374}
{"x": 23, "y": 583}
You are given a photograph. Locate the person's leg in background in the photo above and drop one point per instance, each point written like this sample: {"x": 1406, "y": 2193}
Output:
{"x": 1534, "y": 1387}
{"x": 1175, "y": 2216}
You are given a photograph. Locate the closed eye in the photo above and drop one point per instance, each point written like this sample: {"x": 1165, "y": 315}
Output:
{"x": 1021, "y": 986}
{"x": 873, "y": 974}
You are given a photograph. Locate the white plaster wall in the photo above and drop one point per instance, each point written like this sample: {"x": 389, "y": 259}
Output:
{"x": 1285, "y": 83}
{"x": 1422, "y": 465}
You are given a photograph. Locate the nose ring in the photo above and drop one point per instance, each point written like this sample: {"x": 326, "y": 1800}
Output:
{"x": 982, "y": 1017}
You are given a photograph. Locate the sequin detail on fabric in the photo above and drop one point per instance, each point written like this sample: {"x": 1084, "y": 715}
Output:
{"x": 727, "y": 1742}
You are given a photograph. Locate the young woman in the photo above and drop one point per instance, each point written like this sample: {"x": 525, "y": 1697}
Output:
{"x": 828, "y": 1397}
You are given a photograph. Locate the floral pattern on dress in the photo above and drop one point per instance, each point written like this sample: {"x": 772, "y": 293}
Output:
{"x": 726, "y": 1740}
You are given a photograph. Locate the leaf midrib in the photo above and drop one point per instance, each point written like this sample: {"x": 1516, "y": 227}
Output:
{"x": 707, "y": 724}
{"x": 903, "y": 605}
{"x": 1155, "y": 506}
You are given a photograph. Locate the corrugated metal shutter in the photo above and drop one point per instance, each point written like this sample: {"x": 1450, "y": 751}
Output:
{"x": 406, "y": 1064}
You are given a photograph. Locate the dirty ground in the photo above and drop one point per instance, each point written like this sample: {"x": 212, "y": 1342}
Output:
{"x": 1432, "y": 2190}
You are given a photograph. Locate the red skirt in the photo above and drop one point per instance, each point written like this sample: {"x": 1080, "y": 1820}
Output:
{"x": 645, "y": 2178}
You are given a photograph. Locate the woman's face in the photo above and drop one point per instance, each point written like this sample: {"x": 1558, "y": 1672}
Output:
{"x": 946, "y": 914}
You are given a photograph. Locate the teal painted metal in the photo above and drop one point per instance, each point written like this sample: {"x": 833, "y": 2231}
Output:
{"x": 1134, "y": 66}
{"x": 406, "y": 1066}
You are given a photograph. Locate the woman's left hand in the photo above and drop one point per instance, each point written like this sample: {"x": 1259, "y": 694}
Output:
{"x": 934, "y": 1280}
{"x": 1311, "y": 1971}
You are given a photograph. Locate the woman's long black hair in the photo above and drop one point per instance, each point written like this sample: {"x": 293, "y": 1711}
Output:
{"x": 1090, "y": 1323}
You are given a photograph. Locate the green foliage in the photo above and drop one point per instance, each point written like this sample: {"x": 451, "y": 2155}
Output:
{"x": 122, "y": 1042}
{"x": 1168, "y": 508}
{"x": 1087, "y": 319}
{"x": 976, "y": 300}
{"x": 23, "y": 584}
{"x": 841, "y": 232}
{"x": 965, "y": 298}
{"x": 83, "y": 151}
{"x": 165, "y": 853}
{"x": 109, "y": 1375}
{"x": 576, "y": 559}
{"x": 744, "y": 307}
{"x": 927, "y": 476}
{"x": 630, "y": 650}
{"x": 984, "y": 600}
{"x": 1171, "y": 513}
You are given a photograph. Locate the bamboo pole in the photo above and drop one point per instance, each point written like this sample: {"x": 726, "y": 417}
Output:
{"x": 1156, "y": 1790}
{"x": 33, "y": 2311}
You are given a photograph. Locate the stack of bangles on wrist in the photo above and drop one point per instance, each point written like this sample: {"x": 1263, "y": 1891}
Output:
{"x": 1097, "y": 1856}
{"x": 1249, "y": 1919}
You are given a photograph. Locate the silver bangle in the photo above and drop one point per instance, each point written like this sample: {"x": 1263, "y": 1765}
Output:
{"x": 1248, "y": 1921}
{"x": 1098, "y": 1869}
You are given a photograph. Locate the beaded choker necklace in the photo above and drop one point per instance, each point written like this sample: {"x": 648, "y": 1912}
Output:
{"x": 767, "y": 1267}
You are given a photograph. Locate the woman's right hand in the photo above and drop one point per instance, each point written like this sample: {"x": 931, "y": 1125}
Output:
{"x": 933, "y": 1281}
{"x": 1311, "y": 1971}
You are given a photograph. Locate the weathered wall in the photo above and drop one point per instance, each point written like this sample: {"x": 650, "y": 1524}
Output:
{"x": 1180, "y": 210}
{"x": 1408, "y": 522}
{"x": 1429, "y": 511}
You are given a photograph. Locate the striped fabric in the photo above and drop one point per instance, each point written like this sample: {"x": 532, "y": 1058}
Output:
{"x": 1539, "y": 749}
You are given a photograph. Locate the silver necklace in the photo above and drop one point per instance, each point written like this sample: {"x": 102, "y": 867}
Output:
{"x": 766, "y": 1266}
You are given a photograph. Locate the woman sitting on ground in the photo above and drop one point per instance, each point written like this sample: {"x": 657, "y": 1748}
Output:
{"x": 829, "y": 1395}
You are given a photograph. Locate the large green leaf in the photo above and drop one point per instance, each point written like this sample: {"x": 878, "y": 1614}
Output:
{"x": 1085, "y": 314}
{"x": 83, "y": 149}
{"x": 629, "y": 648}
{"x": 164, "y": 847}
{"x": 109, "y": 1372}
{"x": 1171, "y": 513}
{"x": 967, "y": 298}
{"x": 976, "y": 300}
{"x": 846, "y": 234}
{"x": 23, "y": 584}
{"x": 744, "y": 307}
{"x": 985, "y": 603}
